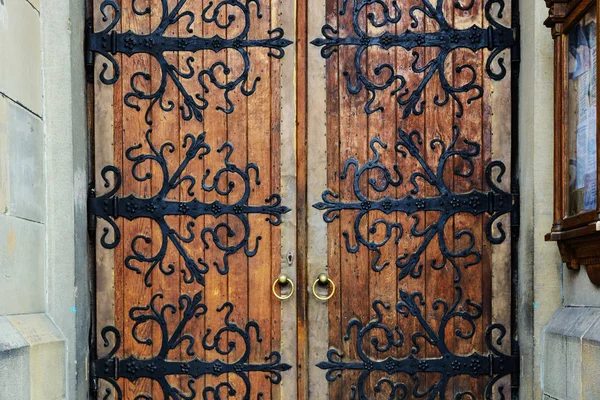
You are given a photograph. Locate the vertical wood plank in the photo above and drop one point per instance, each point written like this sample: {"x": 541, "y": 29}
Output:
{"x": 216, "y": 126}
{"x": 290, "y": 187}
{"x": 237, "y": 133}
{"x": 275, "y": 178}
{"x": 382, "y": 126}
{"x": 196, "y": 327}
{"x": 119, "y": 132}
{"x": 301, "y": 200}
{"x": 165, "y": 128}
{"x": 497, "y": 144}
{"x": 438, "y": 124}
{"x": 408, "y": 165}
{"x": 134, "y": 127}
{"x": 353, "y": 144}
{"x": 471, "y": 128}
{"x": 105, "y": 133}
{"x": 259, "y": 152}
{"x": 317, "y": 237}
{"x": 334, "y": 234}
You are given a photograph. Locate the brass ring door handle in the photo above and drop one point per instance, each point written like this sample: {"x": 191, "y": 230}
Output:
{"x": 283, "y": 280}
{"x": 323, "y": 280}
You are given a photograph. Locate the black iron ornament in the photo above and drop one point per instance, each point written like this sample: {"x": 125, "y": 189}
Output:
{"x": 109, "y": 207}
{"x": 109, "y": 42}
{"x": 167, "y": 360}
{"x": 440, "y": 371}
{"x": 496, "y": 38}
{"x": 448, "y": 203}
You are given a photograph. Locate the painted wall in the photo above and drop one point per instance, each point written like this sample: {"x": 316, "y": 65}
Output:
{"x": 44, "y": 306}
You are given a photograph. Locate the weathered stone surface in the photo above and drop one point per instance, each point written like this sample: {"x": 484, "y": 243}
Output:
{"x": 14, "y": 363}
{"x": 65, "y": 130}
{"x": 564, "y": 365}
{"x": 21, "y": 266}
{"x": 21, "y": 68}
{"x": 35, "y": 4}
{"x": 590, "y": 382}
{"x": 46, "y": 355}
{"x": 554, "y": 366}
{"x": 4, "y": 166}
{"x": 579, "y": 290}
{"x": 10, "y": 338}
{"x": 22, "y": 191}
{"x": 25, "y": 164}
{"x": 540, "y": 269}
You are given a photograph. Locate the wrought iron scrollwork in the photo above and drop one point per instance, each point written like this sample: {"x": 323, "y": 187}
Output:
{"x": 109, "y": 207}
{"x": 448, "y": 203}
{"x": 109, "y": 42}
{"x": 167, "y": 360}
{"x": 447, "y": 39}
{"x": 439, "y": 370}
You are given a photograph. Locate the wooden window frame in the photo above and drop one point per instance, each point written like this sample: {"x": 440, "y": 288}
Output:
{"x": 578, "y": 236}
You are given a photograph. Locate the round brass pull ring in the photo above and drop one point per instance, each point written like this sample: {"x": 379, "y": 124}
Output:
{"x": 323, "y": 279}
{"x": 282, "y": 281}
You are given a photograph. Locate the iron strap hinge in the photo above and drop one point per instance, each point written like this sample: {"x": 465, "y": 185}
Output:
{"x": 515, "y": 215}
{"x": 90, "y": 210}
{"x": 108, "y": 41}
{"x": 515, "y": 51}
{"x": 88, "y": 53}
{"x": 515, "y": 380}
{"x": 504, "y": 365}
{"x": 93, "y": 380}
{"x": 501, "y": 364}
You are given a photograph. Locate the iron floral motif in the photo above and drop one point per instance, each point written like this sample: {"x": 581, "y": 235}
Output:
{"x": 447, "y": 39}
{"x": 110, "y": 207}
{"x": 158, "y": 367}
{"x": 495, "y": 203}
{"x": 446, "y": 367}
{"x": 108, "y": 43}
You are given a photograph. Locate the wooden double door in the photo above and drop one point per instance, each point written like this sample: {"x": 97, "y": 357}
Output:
{"x": 302, "y": 199}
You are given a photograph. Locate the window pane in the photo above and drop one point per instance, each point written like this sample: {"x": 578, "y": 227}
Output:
{"x": 581, "y": 115}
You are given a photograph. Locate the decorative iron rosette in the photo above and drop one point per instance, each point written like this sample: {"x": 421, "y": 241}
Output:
{"x": 109, "y": 207}
{"x": 439, "y": 371}
{"x": 109, "y": 42}
{"x": 496, "y": 38}
{"x": 167, "y": 361}
{"x": 447, "y": 203}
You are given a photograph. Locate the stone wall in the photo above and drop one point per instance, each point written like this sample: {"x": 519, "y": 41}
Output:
{"x": 559, "y": 318}
{"x": 540, "y": 270}
{"x": 44, "y": 301}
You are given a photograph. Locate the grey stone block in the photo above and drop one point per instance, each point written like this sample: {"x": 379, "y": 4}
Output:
{"x": 47, "y": 354}
{"x": 22, "y": 246}
{"x": 563, "y": 356}
{"x": 554, "y": 366}
{"x": 25, "y": 164}
{"x": 591, "y": 361}
{"x": 14, "y": 363}
{"x": 579, "y": 290}
{"x": 21, "y": 66}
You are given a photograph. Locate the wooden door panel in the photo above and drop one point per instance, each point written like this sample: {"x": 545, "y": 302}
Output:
{"x": 407, "y": 105}
{"x": 417, "y": 198}
{"x": 188, "y": 138}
